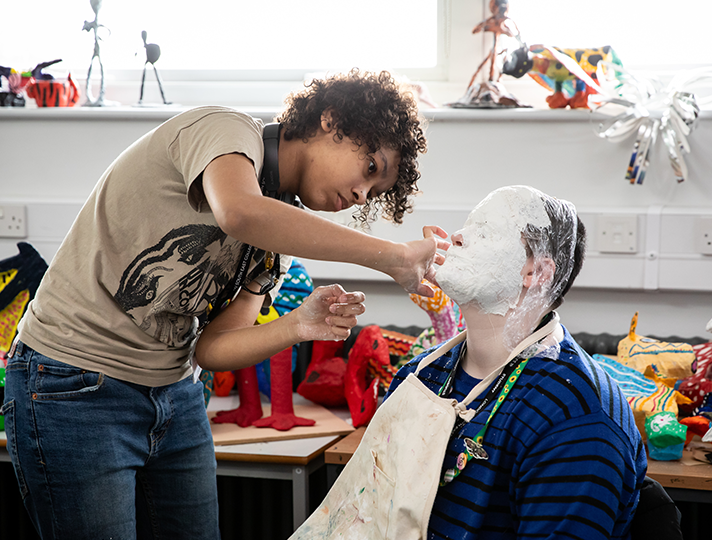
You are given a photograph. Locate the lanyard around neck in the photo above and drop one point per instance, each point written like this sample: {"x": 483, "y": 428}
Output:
{"x": 475, "y": 450}
{"x": 498, "y": 386}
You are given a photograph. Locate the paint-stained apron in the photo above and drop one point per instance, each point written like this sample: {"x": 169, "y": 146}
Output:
{"x": 387, "y": 489}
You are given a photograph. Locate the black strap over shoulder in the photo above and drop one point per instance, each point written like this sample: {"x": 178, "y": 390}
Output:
{"x": 269, "y": 184}
{"x": 269, "y": 179}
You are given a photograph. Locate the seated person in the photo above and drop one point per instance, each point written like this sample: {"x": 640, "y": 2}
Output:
{"x": 561, "y": 456}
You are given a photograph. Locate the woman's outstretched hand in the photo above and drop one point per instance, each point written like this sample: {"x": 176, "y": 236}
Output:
{"x": 418, "y": 260}
{"x": 328, "y": 314}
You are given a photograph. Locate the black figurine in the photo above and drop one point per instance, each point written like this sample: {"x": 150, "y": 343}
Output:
{"x": 153, "y": 53}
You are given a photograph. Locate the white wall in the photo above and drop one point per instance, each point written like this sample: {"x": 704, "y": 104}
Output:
{"x": 50, "y": 160}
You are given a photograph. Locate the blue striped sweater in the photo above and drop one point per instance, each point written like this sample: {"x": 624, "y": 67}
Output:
{"x": 565, "y": 457}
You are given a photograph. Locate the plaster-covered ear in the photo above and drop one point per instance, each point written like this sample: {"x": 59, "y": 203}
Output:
{"x": 528, "y": 273}
{"x": 538, "y": 272}
{"x": 545, "y": 270}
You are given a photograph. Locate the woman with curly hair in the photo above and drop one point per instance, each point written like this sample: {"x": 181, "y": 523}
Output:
{"x": 166, "y": 268}
{"x": 372, "y": 112}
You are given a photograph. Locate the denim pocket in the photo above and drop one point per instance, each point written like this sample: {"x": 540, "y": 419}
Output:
{"x": 52, "y": 380}
{"x": 16, "y": 362}
{"x": 8, "y": 411}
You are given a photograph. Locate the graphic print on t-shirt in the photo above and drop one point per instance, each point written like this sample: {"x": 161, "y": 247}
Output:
{"x": 171, "y": 282}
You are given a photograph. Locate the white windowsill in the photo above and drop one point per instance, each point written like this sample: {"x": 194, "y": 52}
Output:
{"x": 164, "y": 112}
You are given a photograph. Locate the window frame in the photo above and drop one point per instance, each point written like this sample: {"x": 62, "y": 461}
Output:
{"x": 439, "y": 72}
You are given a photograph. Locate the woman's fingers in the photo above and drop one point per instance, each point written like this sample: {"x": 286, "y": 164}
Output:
{"x": 433, "y": 231}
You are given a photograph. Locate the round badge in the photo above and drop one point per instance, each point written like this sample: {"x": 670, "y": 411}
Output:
{"x": 461, "y": 461}
{"x": 449, "y": 476}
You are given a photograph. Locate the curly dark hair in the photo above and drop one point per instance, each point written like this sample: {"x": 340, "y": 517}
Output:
{"x": 373, "y": 111}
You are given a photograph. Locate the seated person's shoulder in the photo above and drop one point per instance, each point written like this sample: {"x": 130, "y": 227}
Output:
{"x": 580, "y": 387}
{"x": 577, "y": 381}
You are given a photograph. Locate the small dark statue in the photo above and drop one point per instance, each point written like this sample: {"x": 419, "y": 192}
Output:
{"x": 153, "y": 53}
{"x": 93, "y": 26}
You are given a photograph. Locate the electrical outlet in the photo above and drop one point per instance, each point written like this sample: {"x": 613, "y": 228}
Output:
{"x": 703, "y": 235}
{"x": 617, "y": 233}
{"x": 13, "y": 223}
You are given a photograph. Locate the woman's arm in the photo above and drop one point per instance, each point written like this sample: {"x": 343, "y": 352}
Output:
{"x": 232, "y": 191}
{"x": 232, "y": 341}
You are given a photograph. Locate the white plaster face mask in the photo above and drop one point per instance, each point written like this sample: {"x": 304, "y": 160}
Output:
{"x": 486, "y": 268}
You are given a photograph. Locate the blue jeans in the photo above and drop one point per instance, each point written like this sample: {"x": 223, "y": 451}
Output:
{"x": 98, "y": 458}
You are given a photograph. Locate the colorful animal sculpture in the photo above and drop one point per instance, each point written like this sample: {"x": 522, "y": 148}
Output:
{"x": 554, "y": 68}
{"x": 42, "y": 87}
{"x": 646, "y": 393}
{"x": 666, "y": 436}
{"x": 48, "y": 91}
{"x": 667, "y": 360}
{"x": 446, "y": 319}
{"x": 333, "y": 381}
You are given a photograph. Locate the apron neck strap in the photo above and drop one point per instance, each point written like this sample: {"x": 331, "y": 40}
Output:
{"x": 537, "y": 336}
{"x": 445, "y": 347}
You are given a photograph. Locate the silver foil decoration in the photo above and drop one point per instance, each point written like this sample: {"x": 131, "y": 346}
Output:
{"x": 652, "y": 112}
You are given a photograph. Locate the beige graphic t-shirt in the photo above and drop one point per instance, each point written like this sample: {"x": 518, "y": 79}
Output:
{"x": 145, "y": 257}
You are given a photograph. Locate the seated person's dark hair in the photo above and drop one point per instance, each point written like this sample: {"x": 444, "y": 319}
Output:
{"x": 550, "y": 236}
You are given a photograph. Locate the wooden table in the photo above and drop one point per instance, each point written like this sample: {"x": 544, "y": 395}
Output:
{"x": 684, "y": 480}
{"x": 341, "y": 452}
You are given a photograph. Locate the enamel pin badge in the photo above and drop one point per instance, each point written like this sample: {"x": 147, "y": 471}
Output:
{"x": 475, "y": 449}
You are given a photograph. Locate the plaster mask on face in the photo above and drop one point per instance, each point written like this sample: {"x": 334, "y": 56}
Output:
{"x": 486, "y": 268}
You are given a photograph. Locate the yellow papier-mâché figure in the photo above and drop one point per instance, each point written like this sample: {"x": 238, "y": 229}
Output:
{"x": 667, "y": 360}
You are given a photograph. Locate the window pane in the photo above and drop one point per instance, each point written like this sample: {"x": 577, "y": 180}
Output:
{"x": 644, "y": 33}
{"x": 225, "y": 34}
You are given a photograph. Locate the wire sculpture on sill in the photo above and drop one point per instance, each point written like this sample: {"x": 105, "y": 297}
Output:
{"x": 94, "y": 26}
{"x": 491, "y": 94}
{"x": 153, "y": 53}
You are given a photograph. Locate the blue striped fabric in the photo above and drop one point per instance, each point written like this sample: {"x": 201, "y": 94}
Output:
{"x": 565, "y": 457}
